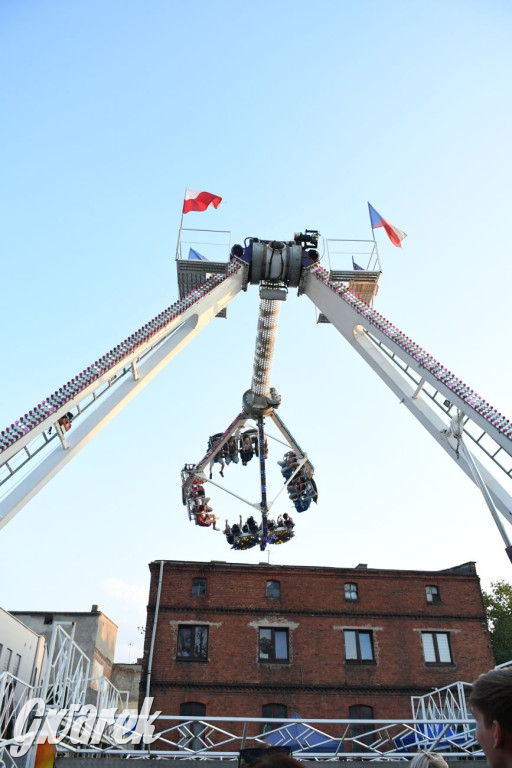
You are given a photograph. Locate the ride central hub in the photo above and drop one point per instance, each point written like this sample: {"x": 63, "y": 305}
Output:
{"x": 260, "y": 405}
{"x": 276, "y": 261}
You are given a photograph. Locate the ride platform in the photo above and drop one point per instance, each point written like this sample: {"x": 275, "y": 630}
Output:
{"x": 364, "y": 283}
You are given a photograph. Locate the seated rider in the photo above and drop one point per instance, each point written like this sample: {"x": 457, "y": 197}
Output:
{"x": 228, "y": 532}
{"x": 246, "y": 449}
{"x": 201, "y": 503}
{"x": 65, "y": 421}
{"x": 197, "y": 489}
{"x": 287, "y": 458}
{"x": 231, "y": 451}
{"x": 301, "y": 504}
{"x": 288, "y": 520}
{"x": 205, "y": 519}
{"x": 252, "y": 525}
{"x": 237, "y": 529}
{"x": 288, "y": 471}
{"x": 296, "y": 489}
{"x": 217, "y": 457}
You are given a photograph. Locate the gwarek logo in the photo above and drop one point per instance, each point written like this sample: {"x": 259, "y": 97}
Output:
{"x": 81, "y": 724}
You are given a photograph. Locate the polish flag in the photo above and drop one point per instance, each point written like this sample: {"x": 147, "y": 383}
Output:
{"x": 199, "y": 201}
{"x": 395, "y": 235}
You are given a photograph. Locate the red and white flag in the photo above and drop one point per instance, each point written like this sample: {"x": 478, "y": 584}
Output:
{"x": 395, "y": 235}
{"x": 199, "y": 201}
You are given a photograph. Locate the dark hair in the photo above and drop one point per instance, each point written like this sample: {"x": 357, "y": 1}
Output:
{"x": 492, "y": 696}
{"x": 277, "y": 760}
{"x": 268, "y": 757}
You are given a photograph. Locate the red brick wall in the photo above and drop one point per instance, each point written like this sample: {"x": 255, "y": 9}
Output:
{"x": 316, "y": 681}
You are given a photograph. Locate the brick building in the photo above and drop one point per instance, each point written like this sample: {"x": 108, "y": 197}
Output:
{"x": 272, "y": 641}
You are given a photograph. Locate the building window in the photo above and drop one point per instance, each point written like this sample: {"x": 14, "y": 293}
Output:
{"x": 273, "y": 644}
{"x": 191, "y": 732}
{"x": 273, "y": 589}
{"x": 6, "y": 663}
{"x": 362, "y": 733}
{"x": 436, "y": 648}
{"x": 16, "y": 667}
{"x": 273, "y": 711}
{"x": 351, "y": 591}
{"x": 432, "y": 594}
{"x": 199, "y": 587}
{"x": 192, "y": 643}
{"x": 359, "y": 646}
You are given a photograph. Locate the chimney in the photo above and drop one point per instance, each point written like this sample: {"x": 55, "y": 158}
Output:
{"x": 94, "y": 609}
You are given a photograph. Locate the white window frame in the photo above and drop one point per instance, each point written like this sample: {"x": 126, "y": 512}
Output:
{"x": 432, "y": 597}
{"x": 358, "y": 659}
{"x": 434, "y": 650}
{"x": 351, "y": 591}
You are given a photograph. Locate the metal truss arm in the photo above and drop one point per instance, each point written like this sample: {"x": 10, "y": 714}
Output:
{"x": 370, "y": 335}
{"x": 130, "y": 373}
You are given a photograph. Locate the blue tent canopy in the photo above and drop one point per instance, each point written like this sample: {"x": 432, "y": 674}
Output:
{"x": 424, "y": 735}
{"x": 302, "y": 736}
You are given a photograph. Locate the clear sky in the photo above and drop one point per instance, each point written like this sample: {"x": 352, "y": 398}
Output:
{"x": 296, "y": 114}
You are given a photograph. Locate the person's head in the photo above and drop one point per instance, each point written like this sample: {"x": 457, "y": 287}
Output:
{"x": 428, "y": 760}
{"x": 267, "y": 757}
{"x": 491, "y": 704}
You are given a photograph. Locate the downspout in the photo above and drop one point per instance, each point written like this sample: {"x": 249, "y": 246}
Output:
{"x": 153, "y": 633}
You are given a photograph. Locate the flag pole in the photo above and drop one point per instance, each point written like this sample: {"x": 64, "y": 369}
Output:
{"x": 374, "y": 240}
{"x": 181, "y": 227}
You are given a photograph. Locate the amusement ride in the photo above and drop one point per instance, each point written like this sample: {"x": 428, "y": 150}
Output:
{"x": 38, "y": 444}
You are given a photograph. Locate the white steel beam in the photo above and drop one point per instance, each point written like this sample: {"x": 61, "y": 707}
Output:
{"x": 191, "y": 322}
{"x": 354, "y": 327}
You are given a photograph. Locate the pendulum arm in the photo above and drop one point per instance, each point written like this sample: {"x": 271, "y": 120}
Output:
{"x": 237, "y": 422}
{"x": 291, "y": 440}
{"x": 235, "y": 495}
{"x": 261, "y": 399}
{"x": 263, "y": 481}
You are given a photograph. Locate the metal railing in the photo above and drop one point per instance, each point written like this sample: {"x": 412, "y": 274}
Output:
{"x": 108, "y": 696}
{"x": 217, "y": 738}
{"x": 14, "y": 694}
{"x": 67, "y": 672}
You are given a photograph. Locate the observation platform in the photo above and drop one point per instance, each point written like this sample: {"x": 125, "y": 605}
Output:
{"x": 362, "y": 281}
{"x": 194, "y": 264}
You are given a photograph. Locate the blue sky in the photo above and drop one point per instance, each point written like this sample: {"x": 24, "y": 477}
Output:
{"x": 296, "y": 115}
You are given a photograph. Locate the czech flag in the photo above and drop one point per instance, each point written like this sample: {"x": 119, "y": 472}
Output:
{"x": 199, "y": 201}
{"x": 395, "y": 235}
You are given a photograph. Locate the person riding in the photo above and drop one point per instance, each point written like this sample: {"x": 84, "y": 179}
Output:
{"x": 228, "y": 533}
{"x": 252, "y": 525}
{"x": 204, "y": 518}
{"x": 231, "y": 451}
{"x": 217, "y": 457}
{"x": 288, "y": 520}
{"x": 246, "y": 449}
